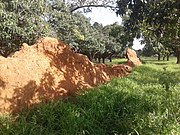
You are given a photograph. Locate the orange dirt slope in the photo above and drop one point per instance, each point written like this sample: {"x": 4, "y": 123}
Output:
{"x": 46, "y": 71}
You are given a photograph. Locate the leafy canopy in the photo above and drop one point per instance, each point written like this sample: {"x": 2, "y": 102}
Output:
{"x": 21, "y": 21}
{"x": 159, "y": 19}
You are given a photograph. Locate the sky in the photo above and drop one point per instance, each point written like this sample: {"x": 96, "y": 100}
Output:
{"x": 107, "y": 16}
{"x": 104, "y": 16}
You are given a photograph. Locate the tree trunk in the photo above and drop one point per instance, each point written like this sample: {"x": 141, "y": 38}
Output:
{"x": 110, "y": 59}
{"x": 99, "y": 59}
{"x": 177, "y": 54}
{"x": 164, "y": 57}
{"x": 159, "y": 57}
{"x": 168, "y": 57}
{"x": 178, "y": 57}
{"x": 96, "y": 59}
{"x": 91, "y": 57}
{"x": 103, "y": 60}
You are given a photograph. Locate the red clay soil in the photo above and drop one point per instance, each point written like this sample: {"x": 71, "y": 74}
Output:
{"x": 133, "y": 60}
{"x": 46, "y": 71}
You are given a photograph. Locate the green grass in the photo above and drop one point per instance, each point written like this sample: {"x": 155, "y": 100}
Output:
{"x": 116, "y": 61}
{"x": 153, "y": 60}
{"x": 144, "y": 103}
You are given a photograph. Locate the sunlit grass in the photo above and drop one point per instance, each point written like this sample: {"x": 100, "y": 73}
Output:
{"x": 153, "y": 60}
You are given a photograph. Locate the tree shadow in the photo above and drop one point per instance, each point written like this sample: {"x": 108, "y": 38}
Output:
{"x": 122, "y": 62}
{"x": 120, "y": 110}
{"x": 69, "y": 72}
{"x": 160, "y": 63}
{"x": 2, "y": 83}
{"x": 74, "y": 72}
{"x": 33, "y": 93}
{"x": 22, "y": 97}
{"x": 78, "y": 71}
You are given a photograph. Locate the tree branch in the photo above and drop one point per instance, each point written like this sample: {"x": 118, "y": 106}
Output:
{"x": 87, "y": 6}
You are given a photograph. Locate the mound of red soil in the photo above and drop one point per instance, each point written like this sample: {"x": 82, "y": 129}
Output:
{"x": 133, "y": 60}
{"x": 46, "y": 71}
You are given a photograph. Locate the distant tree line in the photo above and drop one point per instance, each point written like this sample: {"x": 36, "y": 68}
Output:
{"x": 156, "y": 22}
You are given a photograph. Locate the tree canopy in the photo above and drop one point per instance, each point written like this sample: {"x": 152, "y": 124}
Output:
{"x": 27, "y": 21}
{"x": 21, "y": 21}
{"x": 160, "y": 19}
{"x": 86, "y": 5}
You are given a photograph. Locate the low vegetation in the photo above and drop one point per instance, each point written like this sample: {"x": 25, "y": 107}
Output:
{"x": 144, "y": 103}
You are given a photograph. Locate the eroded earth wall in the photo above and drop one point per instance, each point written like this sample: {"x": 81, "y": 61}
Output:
{"x": 46, "y": 71}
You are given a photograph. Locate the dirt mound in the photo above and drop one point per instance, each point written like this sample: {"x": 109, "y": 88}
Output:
{"x": 46, "y": 71}
{"x": 133, "y": 60}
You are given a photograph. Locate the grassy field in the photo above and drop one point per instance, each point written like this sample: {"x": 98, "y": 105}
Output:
{"x": 147, "y": 102}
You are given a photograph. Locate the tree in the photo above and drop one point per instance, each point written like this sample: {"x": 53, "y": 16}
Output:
{"x": 118, "y": 32}
{"x": 21, "y": 21}
{"x": 111, "y": 45}
{"x": 153, "y": 46}
{"x": 160, "y": 17}
{"x": 86, "y": 5}
{"x": 74, "y": 29}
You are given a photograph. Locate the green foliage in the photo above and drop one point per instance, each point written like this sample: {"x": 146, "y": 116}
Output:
{"x": 21, "y": 21}
{"x": 27, "y": 21}
{"x": 117, "y": 31}
{"x": 95, "y": 41}
{"x": 137, "y": 104}
{"x": 156, "y": 20}
{"x": 76, "y": 30}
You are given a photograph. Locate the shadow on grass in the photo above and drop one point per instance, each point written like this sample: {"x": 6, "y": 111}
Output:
{"x": 102, "y": 111}
{"x": 156, "y": 63}
{"x": 116, "y": 112}
{"x": 105, "y": 110}
{"x": 121, "y": 62}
